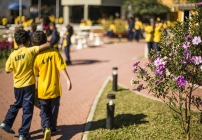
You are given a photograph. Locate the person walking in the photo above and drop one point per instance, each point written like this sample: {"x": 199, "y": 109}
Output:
{"x": 149, "y": 30}
{"x": 55, "y": 37}
{"x": 130, "y": 29}
{"x": 138, "y": 27}
{"x": 67, "y": 43}
{"x": 20, "y": 62}
{"x": 157, "y": 36}
{"x": 47, "y": 66}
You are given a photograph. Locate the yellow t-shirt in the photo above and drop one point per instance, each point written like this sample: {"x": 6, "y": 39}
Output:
{"x": 158, "y": 33}
{"x": 138, "y": 25}
{"x": 149, "y": 30}
{"x": 20, "y": 62}
{"x": 4, "y": 21}
{"x": 89, "y": 23}
{"x": 47, "y": 65}
{"x": 25, "y": 24}
{"x": 112, "y": 27}
{"x": 65, "y": 40}
{"x": 82, "y": 24}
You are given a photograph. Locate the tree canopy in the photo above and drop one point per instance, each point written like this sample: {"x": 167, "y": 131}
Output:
{"x": 145, "y": 7}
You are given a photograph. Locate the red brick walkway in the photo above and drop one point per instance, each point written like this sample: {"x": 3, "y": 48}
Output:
{"x": 90, "y": 68}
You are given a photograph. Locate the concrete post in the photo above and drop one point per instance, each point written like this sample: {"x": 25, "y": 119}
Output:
{"x": 85, "y": 12}
{"x": 66, "y": 14}
{"x": 123, "y": 13}
{"x": 20, "y": 10}
{"x": 57, "y": 9}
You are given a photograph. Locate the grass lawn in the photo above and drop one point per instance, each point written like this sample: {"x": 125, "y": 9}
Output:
{"x": 139, "y": 118}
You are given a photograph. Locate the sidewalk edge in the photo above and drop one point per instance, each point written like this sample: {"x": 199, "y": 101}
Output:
{"x": 93, "y": 108}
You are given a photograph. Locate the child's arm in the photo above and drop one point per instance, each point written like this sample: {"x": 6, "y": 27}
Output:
{"x": 65, "y": 74}
{"x": 8, "y": 67}
{"x": 44, "y": 47}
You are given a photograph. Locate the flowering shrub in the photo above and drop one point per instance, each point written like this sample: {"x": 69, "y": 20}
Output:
{"x": 176, "y": 71}
{"x": 5, "y": 48}
{"x": 119, "y": 23}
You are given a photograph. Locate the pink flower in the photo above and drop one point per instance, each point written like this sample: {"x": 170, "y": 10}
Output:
{"x": 186, "y": 45}
{"x": 158, "y": 61}
{"x": 187, "y": 54}
{"x": 188, "y": 37}
{"x": 196, "y": 59}
{"x": 196, "y": 40}
{"x": 160, "y": 69}
{"x": 182, "y": 61}
{"x": 199, "y": 3}
{"x": 181, "y": 81}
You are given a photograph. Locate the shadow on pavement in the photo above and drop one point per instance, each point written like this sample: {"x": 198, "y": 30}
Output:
{"x": 68, "y": 131}
{"x": 85, "y": 62}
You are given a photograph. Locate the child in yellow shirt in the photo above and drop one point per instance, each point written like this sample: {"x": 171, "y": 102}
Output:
{"x": 20, "y": 62}
{"x": 47, "y": 66}
{"x": 157, "y": 36}
{"x": 111, "y": 30}
{"x": 149, "y": 30}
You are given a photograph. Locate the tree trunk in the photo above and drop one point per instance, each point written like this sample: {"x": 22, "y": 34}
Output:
{"x": 188, "y": 136}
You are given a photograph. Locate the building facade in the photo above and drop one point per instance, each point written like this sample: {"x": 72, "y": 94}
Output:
{"x": 180, "y": 9}
{"x": 75, "y": 10}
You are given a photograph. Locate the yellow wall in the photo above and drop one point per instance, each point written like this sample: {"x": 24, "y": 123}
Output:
{"x": 180, "y": 15}
{"x": 170, "y": 3}
{"x": 177, "y": 15}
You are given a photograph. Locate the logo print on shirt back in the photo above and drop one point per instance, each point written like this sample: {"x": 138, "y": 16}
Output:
{"x": 47, "y": 60}
{"x": 19, "y": 57}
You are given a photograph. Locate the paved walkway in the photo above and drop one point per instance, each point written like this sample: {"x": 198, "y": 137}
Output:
{"x": 90, "y": 68}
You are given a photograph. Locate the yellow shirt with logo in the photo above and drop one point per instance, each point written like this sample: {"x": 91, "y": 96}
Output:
{"x": 149, "y": 30}
{"x": 20, "y": 62}
{"x": 47, "y": 65}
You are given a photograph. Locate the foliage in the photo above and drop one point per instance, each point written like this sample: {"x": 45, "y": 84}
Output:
{"x": 138, "y": 118}
{"x": 146, "y": 7}
{"x": 5, "y": 48}
{"x": 119, "y": 23}
{"x": 176, "y": 71}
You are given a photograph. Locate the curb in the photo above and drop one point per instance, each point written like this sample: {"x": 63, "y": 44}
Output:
{"x": 92, "y": 110}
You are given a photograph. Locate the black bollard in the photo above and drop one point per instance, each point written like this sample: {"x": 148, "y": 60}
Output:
{"x": 201, "y": 117}
{"x": 115, "y": 79}
{"x": 110, "y": 112}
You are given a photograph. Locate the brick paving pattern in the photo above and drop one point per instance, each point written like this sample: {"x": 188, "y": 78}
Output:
{"x": 90, "y": 68}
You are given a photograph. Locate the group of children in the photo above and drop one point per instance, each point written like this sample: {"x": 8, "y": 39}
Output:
{"x": 45, "y": 62}
{"x": 154, "y": 32}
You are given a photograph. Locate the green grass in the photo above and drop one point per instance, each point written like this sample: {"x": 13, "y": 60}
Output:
{"x": 139, "y": 118}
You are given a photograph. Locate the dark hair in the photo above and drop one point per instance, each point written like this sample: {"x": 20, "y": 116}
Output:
{"x": 34, "y": 27}
{"x": 21, "y": 37}
{"x": 52, "y": 23}
{"x": 38, "y": 38}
